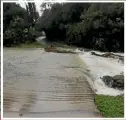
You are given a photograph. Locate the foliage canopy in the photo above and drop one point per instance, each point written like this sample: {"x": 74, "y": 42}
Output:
{"x": 97, "y": 26}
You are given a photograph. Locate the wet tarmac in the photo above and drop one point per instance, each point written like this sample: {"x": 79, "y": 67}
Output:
{"x": 40, "y": 84}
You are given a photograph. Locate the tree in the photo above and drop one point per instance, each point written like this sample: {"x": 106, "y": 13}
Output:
{"x": 32, "y": 13}
{"x": 10, "y": 12}
{"x": 92, "y": 25}
{"x": 18, "y": 28}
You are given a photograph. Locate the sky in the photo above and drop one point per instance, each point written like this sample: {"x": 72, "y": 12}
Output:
{"x": 37, "y": 5}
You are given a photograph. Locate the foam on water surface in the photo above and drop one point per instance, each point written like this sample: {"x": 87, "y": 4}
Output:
{"x": 100, "y": 67}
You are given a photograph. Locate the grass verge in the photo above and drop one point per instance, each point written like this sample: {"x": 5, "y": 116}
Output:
{"x": 110, "y": 106}
{"x": 30, "y": 45}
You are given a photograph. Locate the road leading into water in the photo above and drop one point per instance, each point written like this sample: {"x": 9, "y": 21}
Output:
{"x": 41, "y": 84}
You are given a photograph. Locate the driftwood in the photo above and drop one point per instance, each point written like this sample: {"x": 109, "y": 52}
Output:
{"x": 101, "y": 55}
{"x": 109, "y": 55}
{"x": 52, "y": 48}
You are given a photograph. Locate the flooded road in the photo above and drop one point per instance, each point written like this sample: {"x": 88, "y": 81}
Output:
{"x": 40, "y": 84}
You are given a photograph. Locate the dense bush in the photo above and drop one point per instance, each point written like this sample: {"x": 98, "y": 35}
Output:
{"x": 96, "y": 25}
{"x": 18, "y": 26}
{"x": 13, "y": 34}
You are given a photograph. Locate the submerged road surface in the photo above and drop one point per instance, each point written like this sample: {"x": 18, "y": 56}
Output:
{"x": 41, "y": 84}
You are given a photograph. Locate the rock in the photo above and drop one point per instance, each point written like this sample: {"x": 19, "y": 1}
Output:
{"x": 20, "y": 114}
{"x": 92, "y": 53}
{"x": 121, "y": 59}
{"x": 108, "y": 80}
{"x": 116, "y": 81}
{"x": 122, "y": 73}
{"x": 81, "y": 49}
{"x": 121, "y": 94}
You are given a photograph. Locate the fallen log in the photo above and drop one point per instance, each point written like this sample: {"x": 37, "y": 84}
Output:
{"x": 110, "y": 55}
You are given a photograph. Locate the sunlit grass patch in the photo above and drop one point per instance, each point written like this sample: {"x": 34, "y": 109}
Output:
{"x": 110, "y": 106}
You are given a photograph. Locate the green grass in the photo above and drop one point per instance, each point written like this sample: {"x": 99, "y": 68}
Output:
{"x": 28, "y": 45}
{"x": 110, "y": 106}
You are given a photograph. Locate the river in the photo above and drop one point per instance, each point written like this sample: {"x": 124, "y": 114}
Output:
{"x": 41, "y": 84}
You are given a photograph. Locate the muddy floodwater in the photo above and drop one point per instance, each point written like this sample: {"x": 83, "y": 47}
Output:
{"x": 41, "y": 84}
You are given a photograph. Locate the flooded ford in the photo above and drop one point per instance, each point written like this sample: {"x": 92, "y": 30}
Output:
{"x": 42, "y": 84}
